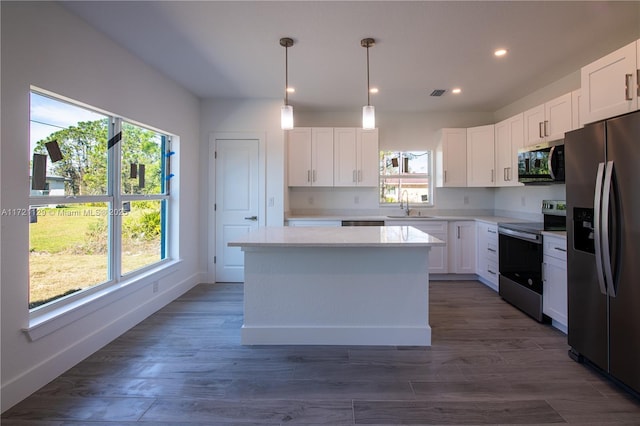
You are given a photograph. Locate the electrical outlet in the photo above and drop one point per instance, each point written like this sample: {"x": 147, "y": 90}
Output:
{"x": 156, "y": 287}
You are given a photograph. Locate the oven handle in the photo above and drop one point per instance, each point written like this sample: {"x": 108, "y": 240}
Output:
{"x": 521, "y": 235}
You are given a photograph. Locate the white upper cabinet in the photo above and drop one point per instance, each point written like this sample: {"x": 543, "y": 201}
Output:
{"x": 610, "y": 85}
{"x": 576, "y": 97}
{"x": 356, "y": 157}
{"x": 368, "y": 160}
{"x": 549, "y": 121}
{"x": 481, "y": 156}
{"x": 509, "y": 139}
{"x": 310, "y": 156}
{"x": 451, "y": 158}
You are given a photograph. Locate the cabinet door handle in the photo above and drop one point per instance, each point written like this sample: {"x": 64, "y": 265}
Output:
{"x": 492, "y": 175}
{"x": 491, "y": 272}
{"x": 491, "y": 250}
{"x": 540, "y": 130}
{"x": 491, "y": 231}
{"x": 638, "y": 82}
{"x": 458, "y": 232}
{"x": 627, "y": 87}
{"x": 560, "y": 249}
{"x": 509, "y": 174}
{"x": 308, "y": 175}
{"x": 353, "y": 177}
{"x": 505, "y": 175}
{"x": 445, "y": 175}
{"x": 546, "y": 127}
{"x": 253, "y": 218}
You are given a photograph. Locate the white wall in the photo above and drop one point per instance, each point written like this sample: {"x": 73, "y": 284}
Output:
{"x": 242, "y": 116}
{"x": 526, "y": 202}
{"x": 45, "y": 46}
{"x": 566, "y": 84}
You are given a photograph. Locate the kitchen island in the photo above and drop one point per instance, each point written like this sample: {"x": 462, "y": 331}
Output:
{"x": 336, "y": 286}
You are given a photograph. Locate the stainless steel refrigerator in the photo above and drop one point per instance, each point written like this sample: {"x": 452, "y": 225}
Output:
{"x": 603, "y": 234}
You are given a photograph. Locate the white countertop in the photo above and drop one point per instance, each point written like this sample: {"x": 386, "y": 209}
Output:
{"x": 359, "y": 236}
{"x": 561, "y": 234}
{"x": 408, "y": 219}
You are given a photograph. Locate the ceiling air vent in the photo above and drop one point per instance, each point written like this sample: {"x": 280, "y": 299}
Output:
{"x": 438, "y": 92}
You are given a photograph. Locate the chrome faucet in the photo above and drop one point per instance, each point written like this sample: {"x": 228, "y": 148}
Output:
{"x": 401, "y": 201}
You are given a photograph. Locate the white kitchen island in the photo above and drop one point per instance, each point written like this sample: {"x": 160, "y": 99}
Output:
{"x": 336, "y": 286}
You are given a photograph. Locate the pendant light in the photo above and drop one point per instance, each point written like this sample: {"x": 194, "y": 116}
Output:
{"x": 368, "y": 111}
{"x": 286, "y": 111}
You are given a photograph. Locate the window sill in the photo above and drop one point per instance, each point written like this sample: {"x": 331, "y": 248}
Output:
{"x": 41, "y": 325}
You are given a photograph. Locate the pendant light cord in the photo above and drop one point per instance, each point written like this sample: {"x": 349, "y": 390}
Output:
{"x": 286, "y": 75}
{"x": 368, "y": 88}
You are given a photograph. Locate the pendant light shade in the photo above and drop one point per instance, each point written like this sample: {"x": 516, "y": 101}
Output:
{"x": 286, "y": 117}
{"x": 286, "y": 111}
{"x": 368, "y": 117}
{"x": 368, "y": 111}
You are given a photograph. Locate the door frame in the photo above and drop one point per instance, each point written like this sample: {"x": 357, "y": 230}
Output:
{"x": 211, "y": 182}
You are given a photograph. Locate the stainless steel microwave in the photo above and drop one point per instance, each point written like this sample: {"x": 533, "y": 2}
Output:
{"x": 542, "y": 163}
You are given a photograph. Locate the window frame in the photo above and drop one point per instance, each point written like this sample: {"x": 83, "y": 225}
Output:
{"x": 408, "y": 177}
{"x": 115, "y": 199}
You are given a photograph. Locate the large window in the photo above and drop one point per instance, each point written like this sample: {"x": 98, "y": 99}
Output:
{"x": 98, "y": 200}
{"x": 408, "y": 171}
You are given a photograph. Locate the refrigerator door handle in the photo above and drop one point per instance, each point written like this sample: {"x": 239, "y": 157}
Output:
{"x": 606, "y": 251}
{"x": 597, "y": 206}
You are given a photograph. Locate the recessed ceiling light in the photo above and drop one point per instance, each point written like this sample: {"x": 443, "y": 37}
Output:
{"x": 290, "y": 90}
{"x": 500, "y": 52}
{"x": 373, "y": 90}
{"x": 456, "y": 90}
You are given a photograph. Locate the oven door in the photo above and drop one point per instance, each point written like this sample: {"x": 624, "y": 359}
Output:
{"x": 520, "y": 258}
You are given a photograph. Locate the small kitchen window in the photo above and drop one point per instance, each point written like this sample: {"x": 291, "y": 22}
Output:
{"x": 406, "y": 171}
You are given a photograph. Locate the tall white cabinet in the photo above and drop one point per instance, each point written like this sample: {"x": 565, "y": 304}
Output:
{"x": 481, "y": 156}
{"x": 310, "y": 156}
{"x": 509, "y": 139}
{"x": 451, "y": 158}
{"x": 356, "y": 157}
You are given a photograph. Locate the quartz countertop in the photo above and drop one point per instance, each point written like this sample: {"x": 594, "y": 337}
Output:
{"x": 359, "y": 236}
{"x": 561, "y": 234}
{"x": 414, "y": 218}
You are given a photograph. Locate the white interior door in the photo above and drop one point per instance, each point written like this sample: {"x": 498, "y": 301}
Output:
{"x": 236, "y": 202}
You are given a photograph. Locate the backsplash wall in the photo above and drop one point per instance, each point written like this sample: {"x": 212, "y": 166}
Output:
{"x": 524, "y": 202}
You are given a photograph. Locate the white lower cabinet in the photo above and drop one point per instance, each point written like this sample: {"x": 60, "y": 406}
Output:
{"x": 554, "y": 278}
{"x": 438, "y": 263}
{"x": 462, "y": 247}
{"x": 437, "y": 255}
{"x": 488, "y": 254}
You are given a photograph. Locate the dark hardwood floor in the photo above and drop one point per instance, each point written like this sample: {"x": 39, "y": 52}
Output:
{"x": 489, "y": 364}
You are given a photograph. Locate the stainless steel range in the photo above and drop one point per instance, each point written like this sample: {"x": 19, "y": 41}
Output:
{"x": 520, "y": 258}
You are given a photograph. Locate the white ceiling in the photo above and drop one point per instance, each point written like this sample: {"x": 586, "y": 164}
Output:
{"x": 231, "y": 49}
